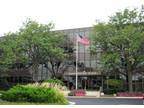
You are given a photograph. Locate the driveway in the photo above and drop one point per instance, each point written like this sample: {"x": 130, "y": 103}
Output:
{"x": 106, "y": 101}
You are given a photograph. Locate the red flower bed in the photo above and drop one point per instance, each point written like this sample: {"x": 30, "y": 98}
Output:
{"x": 79, "y": 92}
{"x": 127, "y": 94}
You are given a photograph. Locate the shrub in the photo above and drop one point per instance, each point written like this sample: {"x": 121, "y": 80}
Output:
{"x": 77, "y": 93}
{"x": 49, "y": 85}
{"x": 109, "y": 91}
{"x": 125, "y": 94}
{"x": 37, "y": 94}
{"x": 114, "y": 83}
{"x": 55, "y": 81}
{"x": 71, "y": 93}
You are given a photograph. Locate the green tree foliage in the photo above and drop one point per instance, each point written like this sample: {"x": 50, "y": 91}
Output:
{"x": 41, "y": 44}
{"x": 11, "y": 52}
{"x": 121, "y": 43}
{"x": 34, "y": 44}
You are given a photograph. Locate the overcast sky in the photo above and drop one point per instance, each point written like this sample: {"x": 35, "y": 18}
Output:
{"x": 64, "y": 14}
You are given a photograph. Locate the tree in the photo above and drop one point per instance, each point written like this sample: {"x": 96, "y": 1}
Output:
{"x": 41, "y": 46}
{"x": 11, "y": 56}
{"x": 121, "y": 41}
{"x": 11, "y": 52}
{"x": 34, "y": 44}
{"x": 56, "y": 64}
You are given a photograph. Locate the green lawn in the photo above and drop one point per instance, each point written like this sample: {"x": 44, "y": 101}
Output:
{"x": 26, "y": 103}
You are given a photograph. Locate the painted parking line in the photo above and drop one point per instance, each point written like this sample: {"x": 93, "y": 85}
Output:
{"x": 72, "y": 103}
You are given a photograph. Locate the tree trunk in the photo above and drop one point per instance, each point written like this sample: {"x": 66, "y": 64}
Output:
{"x": 128, "y": 77}
{"x": 127, "y": 82}
{"x": 130, "y": 83}
{"x": 35, "y": 72}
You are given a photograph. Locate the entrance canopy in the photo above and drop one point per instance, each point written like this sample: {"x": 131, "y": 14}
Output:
{"x": 82, "y": 73}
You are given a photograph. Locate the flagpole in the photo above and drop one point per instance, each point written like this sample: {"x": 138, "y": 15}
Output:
{"x": 76, "y": 62}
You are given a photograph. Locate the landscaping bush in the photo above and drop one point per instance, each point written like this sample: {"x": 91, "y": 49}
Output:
{"x": 114, "y": 83}
{"x": 21, "y": 93}
{"x": 77, "y": 93}
{"x": 49, "y": 85}
{"x": 127, "y": 94}
{"x": 109, "y": 91}
{"x": 71, "y": 93}
{"x": 55, "y": 81}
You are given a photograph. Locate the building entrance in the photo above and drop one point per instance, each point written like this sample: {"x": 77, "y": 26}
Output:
{"x": 85, "y": 82}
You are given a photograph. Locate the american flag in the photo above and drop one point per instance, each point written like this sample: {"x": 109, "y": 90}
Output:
{"x": 83, "y": 40}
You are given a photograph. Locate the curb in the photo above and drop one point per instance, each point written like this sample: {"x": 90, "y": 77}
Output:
{"x": 104, "y": 97}
{"x": 131, "y": 97}
{"x": 81, "y": 97}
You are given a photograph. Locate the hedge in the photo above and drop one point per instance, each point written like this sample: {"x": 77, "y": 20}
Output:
{"x": 55, "y": 81}
{"x": 21, "y": 93}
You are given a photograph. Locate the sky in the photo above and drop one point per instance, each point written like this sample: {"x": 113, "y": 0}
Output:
{"x": 65, "y": 14}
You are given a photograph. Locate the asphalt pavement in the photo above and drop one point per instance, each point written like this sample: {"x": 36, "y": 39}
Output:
{"x": 106, "y": 101}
